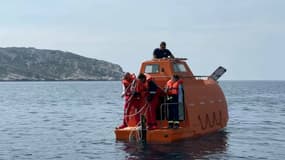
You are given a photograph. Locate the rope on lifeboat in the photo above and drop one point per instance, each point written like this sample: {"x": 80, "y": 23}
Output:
{"x": 137, "y": 137}
{"x": 146, "y": 106}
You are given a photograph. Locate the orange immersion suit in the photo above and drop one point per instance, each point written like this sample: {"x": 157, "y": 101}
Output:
{"x": 153, "y": 98}
{"x": 137, "y": 102}
{"x": 126, "y": 82}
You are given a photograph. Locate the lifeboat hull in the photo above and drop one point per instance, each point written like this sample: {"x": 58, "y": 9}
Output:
{"x": 158, "y": 136}
{"x": 204, "y": 109}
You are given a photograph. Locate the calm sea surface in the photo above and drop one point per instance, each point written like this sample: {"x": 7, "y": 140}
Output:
{"x": 75, "y": 121}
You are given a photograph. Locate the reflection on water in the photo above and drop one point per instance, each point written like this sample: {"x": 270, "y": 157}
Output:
{"x": 211, "y": 146}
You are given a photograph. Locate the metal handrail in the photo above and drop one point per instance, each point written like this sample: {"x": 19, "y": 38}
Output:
{"x": 194, "y": 77}
{"x": 201, "y": 77}
{"x": 166, "y": 112}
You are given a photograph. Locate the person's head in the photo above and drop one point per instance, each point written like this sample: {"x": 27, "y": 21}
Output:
{"x": 175, "y": 77}
{"x": 162, "y": 45}
{"x": 127, "y": 76}
{"x": 142, "y": 77}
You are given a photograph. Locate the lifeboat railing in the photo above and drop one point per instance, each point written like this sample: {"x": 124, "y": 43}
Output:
{"x": 192, "y": 77}
{"x": 200, "y": 77}
{"x": 164, "y": 112}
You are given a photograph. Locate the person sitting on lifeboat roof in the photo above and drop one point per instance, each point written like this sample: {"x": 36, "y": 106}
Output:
{"x": 162, "y": 52}
{"x": 172, "y": 90}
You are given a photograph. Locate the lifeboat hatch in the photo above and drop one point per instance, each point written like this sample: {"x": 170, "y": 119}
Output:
{"x": 218, "y": 73}
{"x": 181, "y": 108}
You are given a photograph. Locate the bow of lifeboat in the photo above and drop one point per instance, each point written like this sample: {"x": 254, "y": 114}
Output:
{"x": 203, "y": 110}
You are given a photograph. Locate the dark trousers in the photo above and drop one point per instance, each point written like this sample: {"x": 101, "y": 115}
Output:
{"x": 173, "y": 108}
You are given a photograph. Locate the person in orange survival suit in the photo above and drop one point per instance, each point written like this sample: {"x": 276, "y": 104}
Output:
{"x": 126, "y": 84}
{"x": 153, "y": 93}
{"x": 172, "y": 90}
{"x": 138, "y": 100}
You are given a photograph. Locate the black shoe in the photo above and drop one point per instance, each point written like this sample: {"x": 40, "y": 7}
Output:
{"x": 170, "y": 125}
{"x": 176, "y": 125}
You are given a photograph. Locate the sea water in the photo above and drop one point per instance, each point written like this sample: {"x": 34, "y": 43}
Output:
{"x": 76, "y": 120}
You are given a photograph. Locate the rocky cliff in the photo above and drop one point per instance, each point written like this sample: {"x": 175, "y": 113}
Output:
{"x": 42, "y": 64}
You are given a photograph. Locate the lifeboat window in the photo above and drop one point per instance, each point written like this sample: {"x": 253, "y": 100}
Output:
{"x": 179, "y": 67}
{"x": 151, "y": 68}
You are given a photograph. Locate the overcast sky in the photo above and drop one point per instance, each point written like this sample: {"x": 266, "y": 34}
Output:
{"x": 245, "y": 36}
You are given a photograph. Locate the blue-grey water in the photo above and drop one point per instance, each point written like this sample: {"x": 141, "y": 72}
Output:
{"x": 75, "y": 120}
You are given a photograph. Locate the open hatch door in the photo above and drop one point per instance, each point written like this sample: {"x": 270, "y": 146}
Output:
{"x": 218, "y": 73}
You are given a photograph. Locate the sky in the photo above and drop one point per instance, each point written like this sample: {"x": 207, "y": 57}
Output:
{"x": 247, "y": 37}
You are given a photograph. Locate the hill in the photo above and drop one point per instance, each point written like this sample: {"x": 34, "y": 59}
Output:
{"x": 19, "y": 63}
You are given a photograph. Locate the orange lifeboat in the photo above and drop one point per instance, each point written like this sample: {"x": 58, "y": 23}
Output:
{"x": 203, "y": 111}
